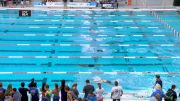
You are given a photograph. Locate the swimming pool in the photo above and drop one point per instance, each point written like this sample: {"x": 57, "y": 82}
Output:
{"x": 75, "y": 45}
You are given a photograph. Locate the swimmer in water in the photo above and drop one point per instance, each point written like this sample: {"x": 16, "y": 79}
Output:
{"x": 89, "y": 65}
{"x": 99, "y": 80}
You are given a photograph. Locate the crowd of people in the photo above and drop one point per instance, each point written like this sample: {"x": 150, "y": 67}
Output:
{"x": 66, "y": 93}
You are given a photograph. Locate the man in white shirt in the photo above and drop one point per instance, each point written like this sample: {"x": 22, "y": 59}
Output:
{"x": 116, "y": 92}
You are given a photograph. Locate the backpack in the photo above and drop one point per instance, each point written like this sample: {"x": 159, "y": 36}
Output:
{"x": 169, "y": 95}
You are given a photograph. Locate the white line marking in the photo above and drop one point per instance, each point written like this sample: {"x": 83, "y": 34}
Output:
{"x": 38, "y": 20}
{"x": 33, "y": 72}
{"x": 141, "y": 15}
{"x": 57, "y": 15}
{"x": 128, "y": 20}
{"x": 29, "y": 34}
{"x": 59, "y": 72}
{"x": 68, "y": 27}
{"x": 143, "y": 45}
{"x": 130, "y": 57}
{"x": 52, "y": 27}
{"x": 102, "y": 35}
{"x": 124, "y": 15}
{"x": 34, "y": 27}
{"x": 175, "y": 57}
{"x": 55, "y": 20}
{"x": 114, "y": 21}
{"x": 6, "y": 72}
{"x": 70, "y": 15}
{"x": 49, "y": 34}
{"x": 112, "y": 73}
{"x": 45, "y": 44}
{"x": 167, "y": 45}
{"x": 85, "y": 56}
{"x": 145, "y": 21}
{"x": 123, "y": 44}
{"x": 67, "y": 35}
{"x": 23, "y": 44}
{"x": 104, "y": 44}
{"x": 109, "y": 57}
{"x": 41, "y": 56}
{"x": 63, "y": 57}
{"x": 85, "y": 27}
{"x": 97, "y": 15}
{"x": 15, "y": 56}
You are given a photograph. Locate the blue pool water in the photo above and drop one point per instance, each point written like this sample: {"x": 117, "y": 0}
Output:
{"x": 114, "y": 45}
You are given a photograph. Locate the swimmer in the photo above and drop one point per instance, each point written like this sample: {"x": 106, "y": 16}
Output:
{"x": 99, "y": 80}
{"x": 100, "y": 50}
{"x": 89, "y": 65}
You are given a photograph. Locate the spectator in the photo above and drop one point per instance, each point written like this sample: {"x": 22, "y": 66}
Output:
{"x": 8, "y": 93}
{"x": 62, "y": 93}
{"x": 48, "y": 93}
{"x": 88, "y": 89}
{"x": 34, "y": 93}
{"x": 91, "y": 97}
{"x": 69, "y": 94}
{"x": 55, "y": 92}
{"x": 43, "y": 90}
{"x": 16, "y": 95}
{"x": 158, "y": 81}
{"x": 116, "y": 92}
{"x": 2, "y": 92}
{"x": 23, "y": 92}
{"x": 171, "y": 94}
{"x": 32, "y": 83}
{"x": 75, "y": 91}
{"x": 158, "y": 90}
{"x": 65, "y": 4}
{"x": 99, "y": 92}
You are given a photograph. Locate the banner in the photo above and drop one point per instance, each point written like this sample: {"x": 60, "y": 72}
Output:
{"x": 107, "y": 6}
{"x": 69, "y": 4}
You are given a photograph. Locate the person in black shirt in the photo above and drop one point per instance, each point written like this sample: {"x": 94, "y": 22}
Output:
{"x": 23, "y": 92}
{"x": 88, "y": 89}
{"x": 62, "y": 89}
{"x": 32, "y": 83}
{"x": 171, "y": 94}
{"x": 158, "y": 81}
